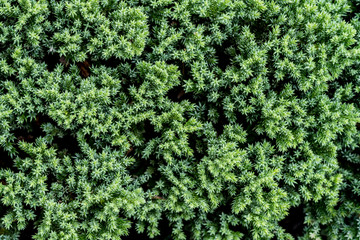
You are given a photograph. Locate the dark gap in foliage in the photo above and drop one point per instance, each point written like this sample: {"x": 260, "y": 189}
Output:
{"x": 337, "y": 206}
{"x": 84, "y": 68}
{"x": 51, "y": 60}
{"x": 221, "y": 122}
{"x": 68, "y": 144}
{"x": 148, "y": 49}
{"x": 240, "y": 228}
{"x": 41, "y": 118}
{"x": 293, "y": 223}
{"x": 20, "y": 154}
{"x": 348, "y": 220}
{"x": 195, "y": 144}
{"x": 50, "y": 179}
{"x": 241, "y": 119}
{"x": 224, "y": 59}
{"x": 261, "y": 30}
{"x": 177, "y": 94}
{"x": 72, "y": 196}
{"x": 130, "y": 152}
{"x": 25, "y": 134}
{"x": 29, "y": 231}
{"x": 138, "y": 169}
{"x": 184, "y": 69}
{"x": 6, "y": 161}
{"x": 355, "y": 153}
{"x": 151, "y": 183}
{"x": 277, "y": 86}
{"x": 3, "y": 231}
{"x": 96, "y": 144}
{"x": 165, "y": 229}
{"x": 128, "y": 73}
{"x": 187, "y": 228}
{"x": 350, "y": 159}
{"x": 134, "y": 235}
{"x": 29, "y": 132}
{"x": 354, "y": 6}
{"x": 333, "y": 87}
{"x": 173, "y": 23}
{"x": 354, "y": 167}
{"x": 141, "y": 166}
{"x": 112, "y": 62}
{"x": 7, "y": 78}
{"x": 156, "y": 14}
{"x": 346, "y": 163}
{"x": 149, "y": 131}
{"x": 197, "y": 20}
{"x": 266, "y": 189}
{"x": 227, "y": 209}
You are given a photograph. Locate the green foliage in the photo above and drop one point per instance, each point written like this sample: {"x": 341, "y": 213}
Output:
{"x": 191, "y": 119}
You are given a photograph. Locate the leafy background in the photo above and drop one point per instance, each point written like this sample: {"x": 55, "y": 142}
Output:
{"x": 191, "y": 119}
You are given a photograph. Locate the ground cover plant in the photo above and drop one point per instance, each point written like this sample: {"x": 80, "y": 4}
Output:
{"x": 187, "y": 119}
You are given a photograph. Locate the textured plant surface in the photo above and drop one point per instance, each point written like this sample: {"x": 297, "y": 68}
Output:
{"x": 186, "y": 119}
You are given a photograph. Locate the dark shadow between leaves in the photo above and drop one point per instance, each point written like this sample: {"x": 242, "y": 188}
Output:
{"x": 293, "y": 223}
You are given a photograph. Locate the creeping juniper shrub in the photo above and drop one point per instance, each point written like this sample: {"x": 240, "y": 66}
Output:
{"x": 190, "y": 119}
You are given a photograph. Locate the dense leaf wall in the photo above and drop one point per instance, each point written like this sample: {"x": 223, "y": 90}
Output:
{"x": 191, "y": 119}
